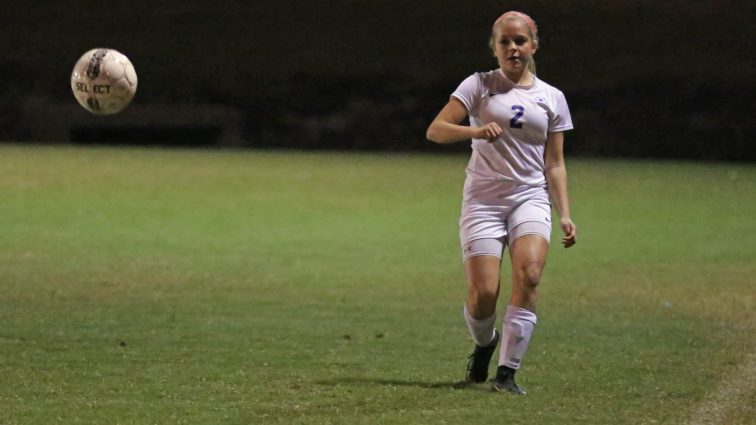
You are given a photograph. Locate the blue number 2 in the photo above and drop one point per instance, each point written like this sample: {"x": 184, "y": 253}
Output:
{"x": 514, "y": 123}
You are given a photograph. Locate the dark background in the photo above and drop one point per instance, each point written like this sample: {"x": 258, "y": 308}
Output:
{"x": 661, "y": 79}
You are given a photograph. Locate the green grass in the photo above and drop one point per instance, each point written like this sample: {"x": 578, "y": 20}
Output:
{"x": 142, "y": 286}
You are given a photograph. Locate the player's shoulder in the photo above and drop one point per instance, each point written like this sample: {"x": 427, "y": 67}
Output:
{"x": 487, "y": 76}
{"x": 547, "y": 88}
{"x": 487, "y": 81}
{"x": 478, "y": 84}
{"x": 484, "y": 77}
{"x": 492, "y": 78}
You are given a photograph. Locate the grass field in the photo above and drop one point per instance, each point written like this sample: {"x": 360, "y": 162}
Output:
{"x": 148, "y": 286}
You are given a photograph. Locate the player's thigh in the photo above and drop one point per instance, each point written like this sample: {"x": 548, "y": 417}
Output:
{"x": 483, "y": 264}
{"x": 530, "y": 248}
{"x": 528, "y": 254}
{"x": 529, "y": 233}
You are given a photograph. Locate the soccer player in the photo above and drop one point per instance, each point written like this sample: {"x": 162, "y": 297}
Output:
{"x": 517, "y": 169}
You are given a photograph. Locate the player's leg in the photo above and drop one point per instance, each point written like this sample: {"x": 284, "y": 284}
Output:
{"x": 528, "y": 246}
{"x": 528, "y": 254}
{"x": 482, "y": 265}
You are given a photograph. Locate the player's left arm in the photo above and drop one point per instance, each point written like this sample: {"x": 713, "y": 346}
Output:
{"x": 556, "y": 177}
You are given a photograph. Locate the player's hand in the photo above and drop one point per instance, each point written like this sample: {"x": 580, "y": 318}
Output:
{"x": 490, "y": 132}
{"x": 570, "y": 232}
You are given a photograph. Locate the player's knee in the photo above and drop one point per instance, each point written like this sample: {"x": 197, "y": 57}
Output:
{"x": 481, "y": 302}
{"x": 530, "y": 276}
{"x": 484, "y": 293}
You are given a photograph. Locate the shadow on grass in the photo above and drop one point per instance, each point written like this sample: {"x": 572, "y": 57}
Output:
{"x": 456, "y": 385}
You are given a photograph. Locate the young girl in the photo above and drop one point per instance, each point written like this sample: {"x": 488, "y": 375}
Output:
{"x": 516, "y": 168}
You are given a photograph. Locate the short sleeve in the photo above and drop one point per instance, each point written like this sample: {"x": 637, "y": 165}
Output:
{"x": 469, "y": 92}
{"x": 561, "y": 120}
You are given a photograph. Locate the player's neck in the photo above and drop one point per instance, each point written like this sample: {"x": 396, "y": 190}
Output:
{"x": 524, "y": 78}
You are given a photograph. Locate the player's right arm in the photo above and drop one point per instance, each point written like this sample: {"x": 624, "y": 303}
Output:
{"x": 446, "y": 127}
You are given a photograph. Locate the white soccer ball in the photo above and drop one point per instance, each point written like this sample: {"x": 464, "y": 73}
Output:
{"x": 103, "y": 81}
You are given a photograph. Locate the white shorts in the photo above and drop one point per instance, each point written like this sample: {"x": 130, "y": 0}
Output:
{"x": 486, "y": 229}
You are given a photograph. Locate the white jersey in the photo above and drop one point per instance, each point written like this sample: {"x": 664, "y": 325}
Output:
{"x": 512, "y": 166}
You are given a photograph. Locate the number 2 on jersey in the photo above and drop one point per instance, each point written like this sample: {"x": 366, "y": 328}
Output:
{"x": 514, "y": 122}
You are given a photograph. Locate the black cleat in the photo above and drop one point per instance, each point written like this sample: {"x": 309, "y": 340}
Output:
{"x": 505, "y": 382}
{"x": 477, "y": 367}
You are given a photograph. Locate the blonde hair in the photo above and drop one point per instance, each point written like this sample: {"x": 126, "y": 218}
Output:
{"x": 532, "y": 27}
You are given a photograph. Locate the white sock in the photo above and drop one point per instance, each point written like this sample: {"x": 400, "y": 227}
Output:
{"x": 515, "y": 335}
{"x": 482, "y": 331}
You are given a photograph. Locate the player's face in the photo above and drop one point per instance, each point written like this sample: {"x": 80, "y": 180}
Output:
{"x": 513, "y": 47}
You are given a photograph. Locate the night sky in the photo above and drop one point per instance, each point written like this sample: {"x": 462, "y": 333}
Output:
{"x": 680, "y": 72}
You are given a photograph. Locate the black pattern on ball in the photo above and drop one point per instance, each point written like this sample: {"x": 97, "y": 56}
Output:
{"x": 93, "y": 70}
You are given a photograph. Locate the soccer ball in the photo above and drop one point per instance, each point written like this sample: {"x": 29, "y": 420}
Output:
{"x": 103, "y": 81}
